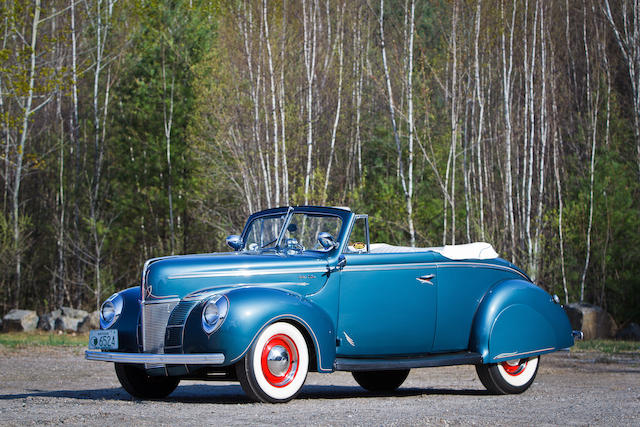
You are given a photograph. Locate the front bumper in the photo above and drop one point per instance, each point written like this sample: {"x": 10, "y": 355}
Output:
{"x": 152, "y": 358}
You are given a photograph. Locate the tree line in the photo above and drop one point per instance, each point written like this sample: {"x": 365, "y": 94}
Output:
{"x": 139, "y": 128}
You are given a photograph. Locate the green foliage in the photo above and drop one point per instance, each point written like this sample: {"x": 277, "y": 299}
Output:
{"x": 211, "y": 59}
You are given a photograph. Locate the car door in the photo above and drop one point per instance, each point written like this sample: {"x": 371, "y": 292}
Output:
{"x": 387, "y": 305}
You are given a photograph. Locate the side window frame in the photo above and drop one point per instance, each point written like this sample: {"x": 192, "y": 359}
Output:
{"x": 365, "y": 217}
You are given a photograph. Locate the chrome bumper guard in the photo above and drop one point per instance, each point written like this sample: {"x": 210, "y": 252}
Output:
{"x": 152, "y": 358}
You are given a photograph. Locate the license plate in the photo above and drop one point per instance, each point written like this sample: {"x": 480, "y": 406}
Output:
{"x": 103, "y": 340}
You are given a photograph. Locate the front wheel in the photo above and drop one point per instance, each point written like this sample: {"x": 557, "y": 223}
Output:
{"x": 275, "y": 367}
{"x": 138, "y": 384}
{"x": 510, "y": 377}
{"x": 380, "y": 381}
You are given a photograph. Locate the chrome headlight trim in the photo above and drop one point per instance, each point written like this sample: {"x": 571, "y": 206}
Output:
{"x": 111, "y": 310}
{"x": 214, "y": 312}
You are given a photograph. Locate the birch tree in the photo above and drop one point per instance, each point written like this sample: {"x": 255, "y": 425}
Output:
{"x": 392, "y": 115}
{"x": 310, "y": 25}
{"x": 626, "y": 28}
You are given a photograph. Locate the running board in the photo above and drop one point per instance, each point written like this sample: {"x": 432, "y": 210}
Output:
{"x": 378, "y": 364}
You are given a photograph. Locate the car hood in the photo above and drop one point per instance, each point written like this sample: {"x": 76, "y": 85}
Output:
{"x": 180, "y": 276}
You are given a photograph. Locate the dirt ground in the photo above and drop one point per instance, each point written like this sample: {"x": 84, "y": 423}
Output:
{"x": 44, "y": 385}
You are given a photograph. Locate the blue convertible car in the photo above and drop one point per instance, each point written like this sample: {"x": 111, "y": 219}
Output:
{"x": 305, "y": 290}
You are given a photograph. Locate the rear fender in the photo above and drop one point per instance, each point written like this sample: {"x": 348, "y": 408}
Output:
{"x": 518, "y": 319}
{"x": 252, "y": 309}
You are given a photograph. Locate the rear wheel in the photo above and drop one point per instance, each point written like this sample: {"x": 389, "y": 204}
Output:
{"x": 380, "y": 381}
{"x": 138, "y": 384}
{"x": 510, "y": 377}
{"x": 275, "y": 367}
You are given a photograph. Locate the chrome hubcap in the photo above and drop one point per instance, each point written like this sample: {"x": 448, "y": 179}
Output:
{"x": 278, "y": 361}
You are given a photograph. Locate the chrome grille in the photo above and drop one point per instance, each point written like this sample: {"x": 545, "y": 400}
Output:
{"x": 180, "y": 314}
{"x": 154, "y": 323}
{"x": 175, "y": 326}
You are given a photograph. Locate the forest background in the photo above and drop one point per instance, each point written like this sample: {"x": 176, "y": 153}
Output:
{"x": 131, "y": 129}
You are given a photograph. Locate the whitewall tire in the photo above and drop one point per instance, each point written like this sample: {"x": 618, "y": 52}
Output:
{"x": 510, "y": 377}
{"x": 275, "y": 367}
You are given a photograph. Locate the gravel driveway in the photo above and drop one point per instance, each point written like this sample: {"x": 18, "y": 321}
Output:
{"x": 41, "y": 385}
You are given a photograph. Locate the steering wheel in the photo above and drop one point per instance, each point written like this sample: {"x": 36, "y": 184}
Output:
{"x": 294, "y": 245}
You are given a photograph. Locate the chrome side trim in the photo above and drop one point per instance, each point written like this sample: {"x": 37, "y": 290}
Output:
{"x": 516, "y": 354}
{"x": 247, "y": 273}
{"x": 417, "y": 266}
{"x": 169, "y": 359}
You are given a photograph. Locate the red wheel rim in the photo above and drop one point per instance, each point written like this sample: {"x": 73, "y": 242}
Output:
{"x": 280, "y": 342}
{"x": 514, "y": 367}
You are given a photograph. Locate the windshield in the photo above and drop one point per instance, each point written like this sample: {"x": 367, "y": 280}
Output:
{"x": 263, "y": 232}
{"x": 301, "y": 234}
{"x": 305, "y": 228}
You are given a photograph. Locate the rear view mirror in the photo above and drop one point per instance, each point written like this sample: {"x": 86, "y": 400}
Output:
{"x": 327, "y": 241}
{"x": 235, "y": 242}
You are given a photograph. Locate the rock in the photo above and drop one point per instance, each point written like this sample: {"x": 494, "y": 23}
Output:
{"x": 20, "y": 320}
{"x": 94, "y": 320}
{"x": 72, "y": 320}
{"x": 68, "y": 324}
{"x": 593, "y": 321}
{"x": 47, "y": 321}
{"x": 74, "y": 312}
{"x": 630, "y": 332}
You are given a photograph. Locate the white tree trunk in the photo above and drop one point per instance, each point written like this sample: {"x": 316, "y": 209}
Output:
{"x": 310, "y": 45}
{"x": 592, "y": 113}
{"x": 392, "y": 107}
{"x": 409, "y": 198}
{"x": 281, "y": 103}
{"x": 20, "y": 155}
{"x": 276, "y": 155}
{"x": 168, "y": 122}
{"x": 507, "y": 67}
{"x": 480, "y": 100}
{"x": 339, "y": 103}
{"x": 454, "y": 116}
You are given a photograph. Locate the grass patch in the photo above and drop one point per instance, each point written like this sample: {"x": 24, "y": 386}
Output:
{"x": 40, "y": 338}
{"x": 607, "y": 346}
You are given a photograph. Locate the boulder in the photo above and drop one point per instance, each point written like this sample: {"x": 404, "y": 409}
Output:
{"x": 631, "y": 332}
{"x": 72, "y": 320}
{"x": 94, "y": 320}
{"x": 20, "y": 320}
{"x": 68, "y": 324}
{"x": 74, "y": 312}
{"x": 593, "y": 321}
{"x": 47, "y": 321}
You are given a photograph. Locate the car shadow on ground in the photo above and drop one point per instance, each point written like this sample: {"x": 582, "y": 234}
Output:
{"x": 233, "y": 394}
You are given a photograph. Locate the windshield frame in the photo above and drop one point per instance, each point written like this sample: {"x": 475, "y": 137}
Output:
{"x": 343, "y": 214}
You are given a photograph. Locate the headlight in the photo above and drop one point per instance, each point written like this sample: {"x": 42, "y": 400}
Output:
{"x": 214, "y": 312}
{"x": 110, "y": 311}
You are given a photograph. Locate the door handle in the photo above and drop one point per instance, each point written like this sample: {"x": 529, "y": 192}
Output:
{"x": 426, "y": 279}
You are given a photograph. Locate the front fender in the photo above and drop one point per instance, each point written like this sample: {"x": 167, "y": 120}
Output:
{"x": 251, "y": 309}
{"x": 127, "y": 323}
{"x": 518, "y": 319}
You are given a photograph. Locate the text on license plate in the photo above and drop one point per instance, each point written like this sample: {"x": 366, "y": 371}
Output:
{"x": 103, "y": 340}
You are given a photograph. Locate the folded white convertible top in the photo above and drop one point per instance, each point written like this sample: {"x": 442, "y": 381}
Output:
{"x": 477, "y": 250}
